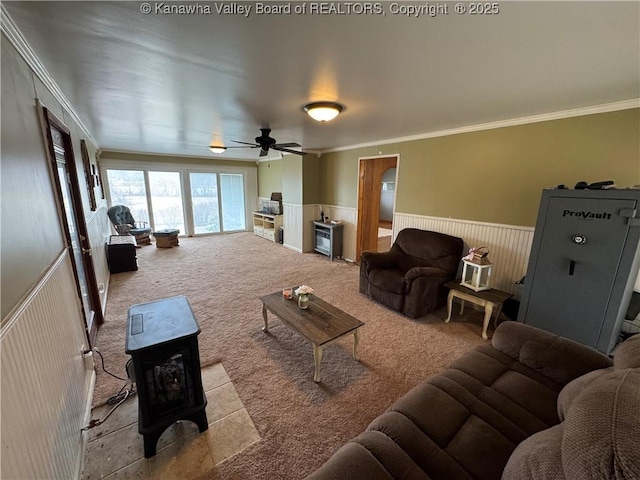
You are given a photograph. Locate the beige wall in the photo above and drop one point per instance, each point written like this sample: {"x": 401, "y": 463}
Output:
{"x": 310, "y": 179}
{"x": 32, "y": 236}
{"x": 31, "y": 232}
{"x": 497, "y": 175}
{"x": 292, "y": 179}
{"x": 303, "y": 189}
{"x": 269, "y": 178}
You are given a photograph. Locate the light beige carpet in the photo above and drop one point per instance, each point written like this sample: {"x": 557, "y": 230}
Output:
{"x": 301, "y": 423}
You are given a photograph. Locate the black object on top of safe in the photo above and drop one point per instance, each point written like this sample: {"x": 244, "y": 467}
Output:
{"x": 162, "y": 321}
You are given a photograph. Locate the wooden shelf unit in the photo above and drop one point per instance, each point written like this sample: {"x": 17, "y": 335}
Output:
{"x": 266, "y": 225}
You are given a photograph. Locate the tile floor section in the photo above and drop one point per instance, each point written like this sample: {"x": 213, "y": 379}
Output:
{"x": 115, "y": 449}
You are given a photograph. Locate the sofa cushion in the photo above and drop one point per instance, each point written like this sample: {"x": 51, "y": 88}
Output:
{"x": 432, "y": 248}
{"x": 390, "y": 280}
{"x": 421, "y": 447}
{"x": 538, "y": 457}
{"x": 598, "y": 439}
{"x": 395, "y": 460}
{"x": 547, "y": 353}
{"x": 574, "y": 388}
{"x": 352, "y": 461}
{"x": 521, "y": 394}
{"x": 602, "y": 429}
{"x": 627, "y": 355}
{"x": 370, "y": 455}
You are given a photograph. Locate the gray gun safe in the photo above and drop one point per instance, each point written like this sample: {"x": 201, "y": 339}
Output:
{"x": 583, "y": 265}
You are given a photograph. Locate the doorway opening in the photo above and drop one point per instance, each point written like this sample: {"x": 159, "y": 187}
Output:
{"x": 375, "y": 208}
{"x": 387, "y": 207}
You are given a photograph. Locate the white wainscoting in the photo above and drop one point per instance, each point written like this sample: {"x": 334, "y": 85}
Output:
{"x": 46, "y": 390}
{"x": 509, "y": 245}
{"x": 349, "y": 218}
{"x": 310, "y": 213}
{"x": 292, "y": 222}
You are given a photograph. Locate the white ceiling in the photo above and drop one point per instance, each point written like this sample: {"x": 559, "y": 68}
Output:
{"x": 173, "y": 84}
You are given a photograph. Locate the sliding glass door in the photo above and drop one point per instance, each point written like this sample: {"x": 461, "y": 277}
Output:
{"x": 166, "y": 200}
{"x": 233, "y": 212}
{"x": 216, "y": 197}
{"x": 204, "y": 202}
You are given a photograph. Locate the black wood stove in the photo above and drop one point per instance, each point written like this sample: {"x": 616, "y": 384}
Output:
{"x": 162, "y": 339}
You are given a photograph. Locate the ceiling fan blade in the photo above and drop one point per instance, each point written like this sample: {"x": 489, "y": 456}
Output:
{"x": 246, "y": 143}
{"x": 290, "y": 144}
{"x": 288, "y": 150}
{"x": 248, "y": 146}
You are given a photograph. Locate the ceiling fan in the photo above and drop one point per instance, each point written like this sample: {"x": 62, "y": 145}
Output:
{"x": 264, "y": 142}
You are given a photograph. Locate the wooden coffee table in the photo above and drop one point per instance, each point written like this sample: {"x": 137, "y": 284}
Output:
{"x": 321, "y": 324}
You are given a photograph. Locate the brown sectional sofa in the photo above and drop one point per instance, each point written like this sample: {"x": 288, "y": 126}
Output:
{"x": 529, "y": 406}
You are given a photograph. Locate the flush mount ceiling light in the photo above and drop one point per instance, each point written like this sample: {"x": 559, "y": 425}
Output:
{"x": 216, "y": 149}
{"x": 323, "y": 111}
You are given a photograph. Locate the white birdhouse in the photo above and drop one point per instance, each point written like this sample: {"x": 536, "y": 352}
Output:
{"x": 476, "y": 271}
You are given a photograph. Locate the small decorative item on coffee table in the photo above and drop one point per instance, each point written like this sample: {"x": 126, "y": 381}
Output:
{"x": 303, "y": 292}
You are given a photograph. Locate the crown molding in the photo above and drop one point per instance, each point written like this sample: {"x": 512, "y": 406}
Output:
{"x": 544, "y": 117}
{"x": 15, "y": 37}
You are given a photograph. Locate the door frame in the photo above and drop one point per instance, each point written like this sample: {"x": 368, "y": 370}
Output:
{"x": 370, "y": 172}
{"x": 50, "y": 120}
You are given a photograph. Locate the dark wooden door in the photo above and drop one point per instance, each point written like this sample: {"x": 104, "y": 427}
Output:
{"x": 65, "y": 178}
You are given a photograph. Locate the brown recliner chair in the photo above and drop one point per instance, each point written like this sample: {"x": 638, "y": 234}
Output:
{"x": 410, "y": 277}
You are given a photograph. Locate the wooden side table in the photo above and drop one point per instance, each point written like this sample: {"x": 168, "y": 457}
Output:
{"x": 489, "y": 299}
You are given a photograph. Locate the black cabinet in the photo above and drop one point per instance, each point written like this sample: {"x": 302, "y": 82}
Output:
{"x": 327, "y": 239}
{"x": 121, "y": 253}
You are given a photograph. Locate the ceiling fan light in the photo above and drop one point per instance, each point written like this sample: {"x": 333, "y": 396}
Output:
{"x": 216, "y": 149}
{"x": 323, "y": 111}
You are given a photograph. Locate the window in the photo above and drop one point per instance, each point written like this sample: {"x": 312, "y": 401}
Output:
{"x": 126, "y": 187}
{"x": 215, "y": 201}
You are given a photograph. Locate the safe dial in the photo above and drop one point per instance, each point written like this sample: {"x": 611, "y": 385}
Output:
{"x": 579, "y": 239}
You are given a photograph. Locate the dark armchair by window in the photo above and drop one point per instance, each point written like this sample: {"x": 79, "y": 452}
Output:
{"x": 125, "y": 224}
{"x": 410, "y": 277}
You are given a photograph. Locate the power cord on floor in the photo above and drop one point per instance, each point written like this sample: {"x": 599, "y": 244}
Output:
{"x": 104, "y": 369}
{"x": 99, "y": 421}
{"x": 117, "y": 399}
